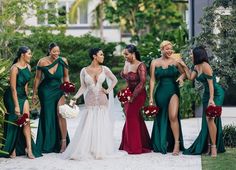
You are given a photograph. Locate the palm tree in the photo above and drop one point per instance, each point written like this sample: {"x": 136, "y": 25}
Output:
{"x": 73, "y": 13}
{"x": 98, "y": 14}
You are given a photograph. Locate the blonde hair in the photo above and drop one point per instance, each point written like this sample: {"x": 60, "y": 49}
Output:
{"x": 165, "y": 43}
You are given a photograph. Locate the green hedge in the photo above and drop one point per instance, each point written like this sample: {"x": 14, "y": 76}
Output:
{"x": 75, "y": 49}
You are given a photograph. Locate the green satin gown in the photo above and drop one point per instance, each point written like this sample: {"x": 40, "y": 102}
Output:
{"x": 13, "y": 134}
{"x": 162, "y": 136}
{"x": 49, "y": 92}
{"x": 200, "y": 145}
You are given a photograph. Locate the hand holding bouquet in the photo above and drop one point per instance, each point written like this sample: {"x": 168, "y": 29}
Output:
{"x": 22, "y": 120}
{"x": 68, "y": 110}
{"x": 213, "y": 111}
{"x": 150, "y": 110}
{"x": 68, "y": 88}
{"x": 124, "y": 95}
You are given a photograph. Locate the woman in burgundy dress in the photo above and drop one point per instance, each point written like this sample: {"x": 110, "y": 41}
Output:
{"x": 135, "y": 136}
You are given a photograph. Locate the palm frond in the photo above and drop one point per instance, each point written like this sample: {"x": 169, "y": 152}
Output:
{"x": 73, "y": 13}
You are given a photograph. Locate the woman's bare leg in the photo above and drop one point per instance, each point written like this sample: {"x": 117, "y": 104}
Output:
{"x": 173, "y": 117}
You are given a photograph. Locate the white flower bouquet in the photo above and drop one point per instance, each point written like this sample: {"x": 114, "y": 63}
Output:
{"x": 68, "y": 111}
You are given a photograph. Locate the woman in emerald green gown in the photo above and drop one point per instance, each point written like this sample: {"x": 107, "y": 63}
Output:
{"x": 18, "y": 139}
{"x": 52, "y": 70}
{"x": 210, "y": 138}
{"x": 166, "y": 133}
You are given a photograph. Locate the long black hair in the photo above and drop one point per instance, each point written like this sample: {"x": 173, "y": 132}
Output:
{"x": 199, "y": 55}
{"x": 133, "y": 49}
{"x": 93, "y": 51}
{"x": 51, "y": 46}
{"x": 21, "y": 50}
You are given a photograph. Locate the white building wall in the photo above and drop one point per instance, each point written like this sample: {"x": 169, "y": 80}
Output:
{"x": 111, "y": 33}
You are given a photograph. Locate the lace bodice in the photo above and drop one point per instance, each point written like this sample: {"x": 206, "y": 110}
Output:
{"x": 136, "y": 81}
{"x": 93, "y": 91}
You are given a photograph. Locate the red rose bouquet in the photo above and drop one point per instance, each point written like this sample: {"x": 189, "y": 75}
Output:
{"x": 213, "y": 111}
{"x": 68, "y": 110}
{"x": 67, "y": 87}
{"x": 124, "y": 95}
{"x": 150, "y": 110}
{"x": 22, "y": 120}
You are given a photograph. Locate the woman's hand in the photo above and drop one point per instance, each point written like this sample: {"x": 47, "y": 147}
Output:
{"x": 17, "y": 110}
{"x": 131, "y": 99}
{"x": 211, "y": 102}
{"x": 180, "y": 81}
{"x": 72, "y": 102}
{"x": 105, "y": 91}
{"x": 151, "y": 102}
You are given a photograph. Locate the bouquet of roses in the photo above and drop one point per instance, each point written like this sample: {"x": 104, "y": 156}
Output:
{"x": 68, "y": 110}
{"x": 22, "y": 120}
{"x": 67, "y": 87}
{"x": 151, "y": 110}
{"x": 213, "y": 111}
{"x": 124, "y": 95}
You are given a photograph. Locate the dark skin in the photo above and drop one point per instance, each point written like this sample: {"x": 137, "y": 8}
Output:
{"x": 22, "y": 63}
{"x": 165, "y": 61}
{"x": 45, "y": 61}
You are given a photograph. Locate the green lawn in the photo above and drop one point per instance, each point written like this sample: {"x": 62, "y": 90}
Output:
{"x": 224, "y": 161}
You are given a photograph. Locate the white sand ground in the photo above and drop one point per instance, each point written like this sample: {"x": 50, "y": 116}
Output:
{"x": 149, "y": 161}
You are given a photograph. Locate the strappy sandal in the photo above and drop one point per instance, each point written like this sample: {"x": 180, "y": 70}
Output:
{"x": 176, "y": 151}
{"x": 213, "y": 151}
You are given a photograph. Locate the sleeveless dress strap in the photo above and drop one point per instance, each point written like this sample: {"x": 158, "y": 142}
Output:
{"x": 61, "y": 61}
{"x": 208, "y": 76}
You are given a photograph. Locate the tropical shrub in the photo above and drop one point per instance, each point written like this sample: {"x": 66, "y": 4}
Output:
{"x": 229, "y": 135}
{"x": 4, "y": 70}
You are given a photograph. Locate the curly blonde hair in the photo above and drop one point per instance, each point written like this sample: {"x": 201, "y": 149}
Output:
{"x": 165, "y": 43}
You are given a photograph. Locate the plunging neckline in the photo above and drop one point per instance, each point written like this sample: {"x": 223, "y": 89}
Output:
{"x": 52, "y": 65}
{"x": 95, "y": 83}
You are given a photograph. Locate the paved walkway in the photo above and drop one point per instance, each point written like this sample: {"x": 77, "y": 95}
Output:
{"x": 122, "y": 161}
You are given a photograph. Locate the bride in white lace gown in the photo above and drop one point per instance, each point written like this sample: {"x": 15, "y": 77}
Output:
{"x": 94, "y": 134}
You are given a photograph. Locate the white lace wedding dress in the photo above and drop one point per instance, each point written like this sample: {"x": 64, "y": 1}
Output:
{"x": 94, "y": 134}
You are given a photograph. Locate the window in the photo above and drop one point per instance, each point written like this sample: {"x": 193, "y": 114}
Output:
{"x": 83, "y": 13}
{"x": 62, "y": 12}
{"x": 52, "y": 13}
{"x": 58, "y": 13}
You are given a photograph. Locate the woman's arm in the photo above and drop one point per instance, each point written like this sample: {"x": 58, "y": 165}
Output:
{"x": 37, "y": 79}
{"x": 191, "y": 75}
{"x": 66, "y": 71}
{"x": 26, "y": 86}
{"x": 152, "y": 82}
{"x": 181, "y": 78}
{"x": 208, "y": 72}
{"x": 83, "y": 86}
{"x": 142, "y": 72}
{"x": 112, "y": 77}
{"x": 13, "y": 77}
